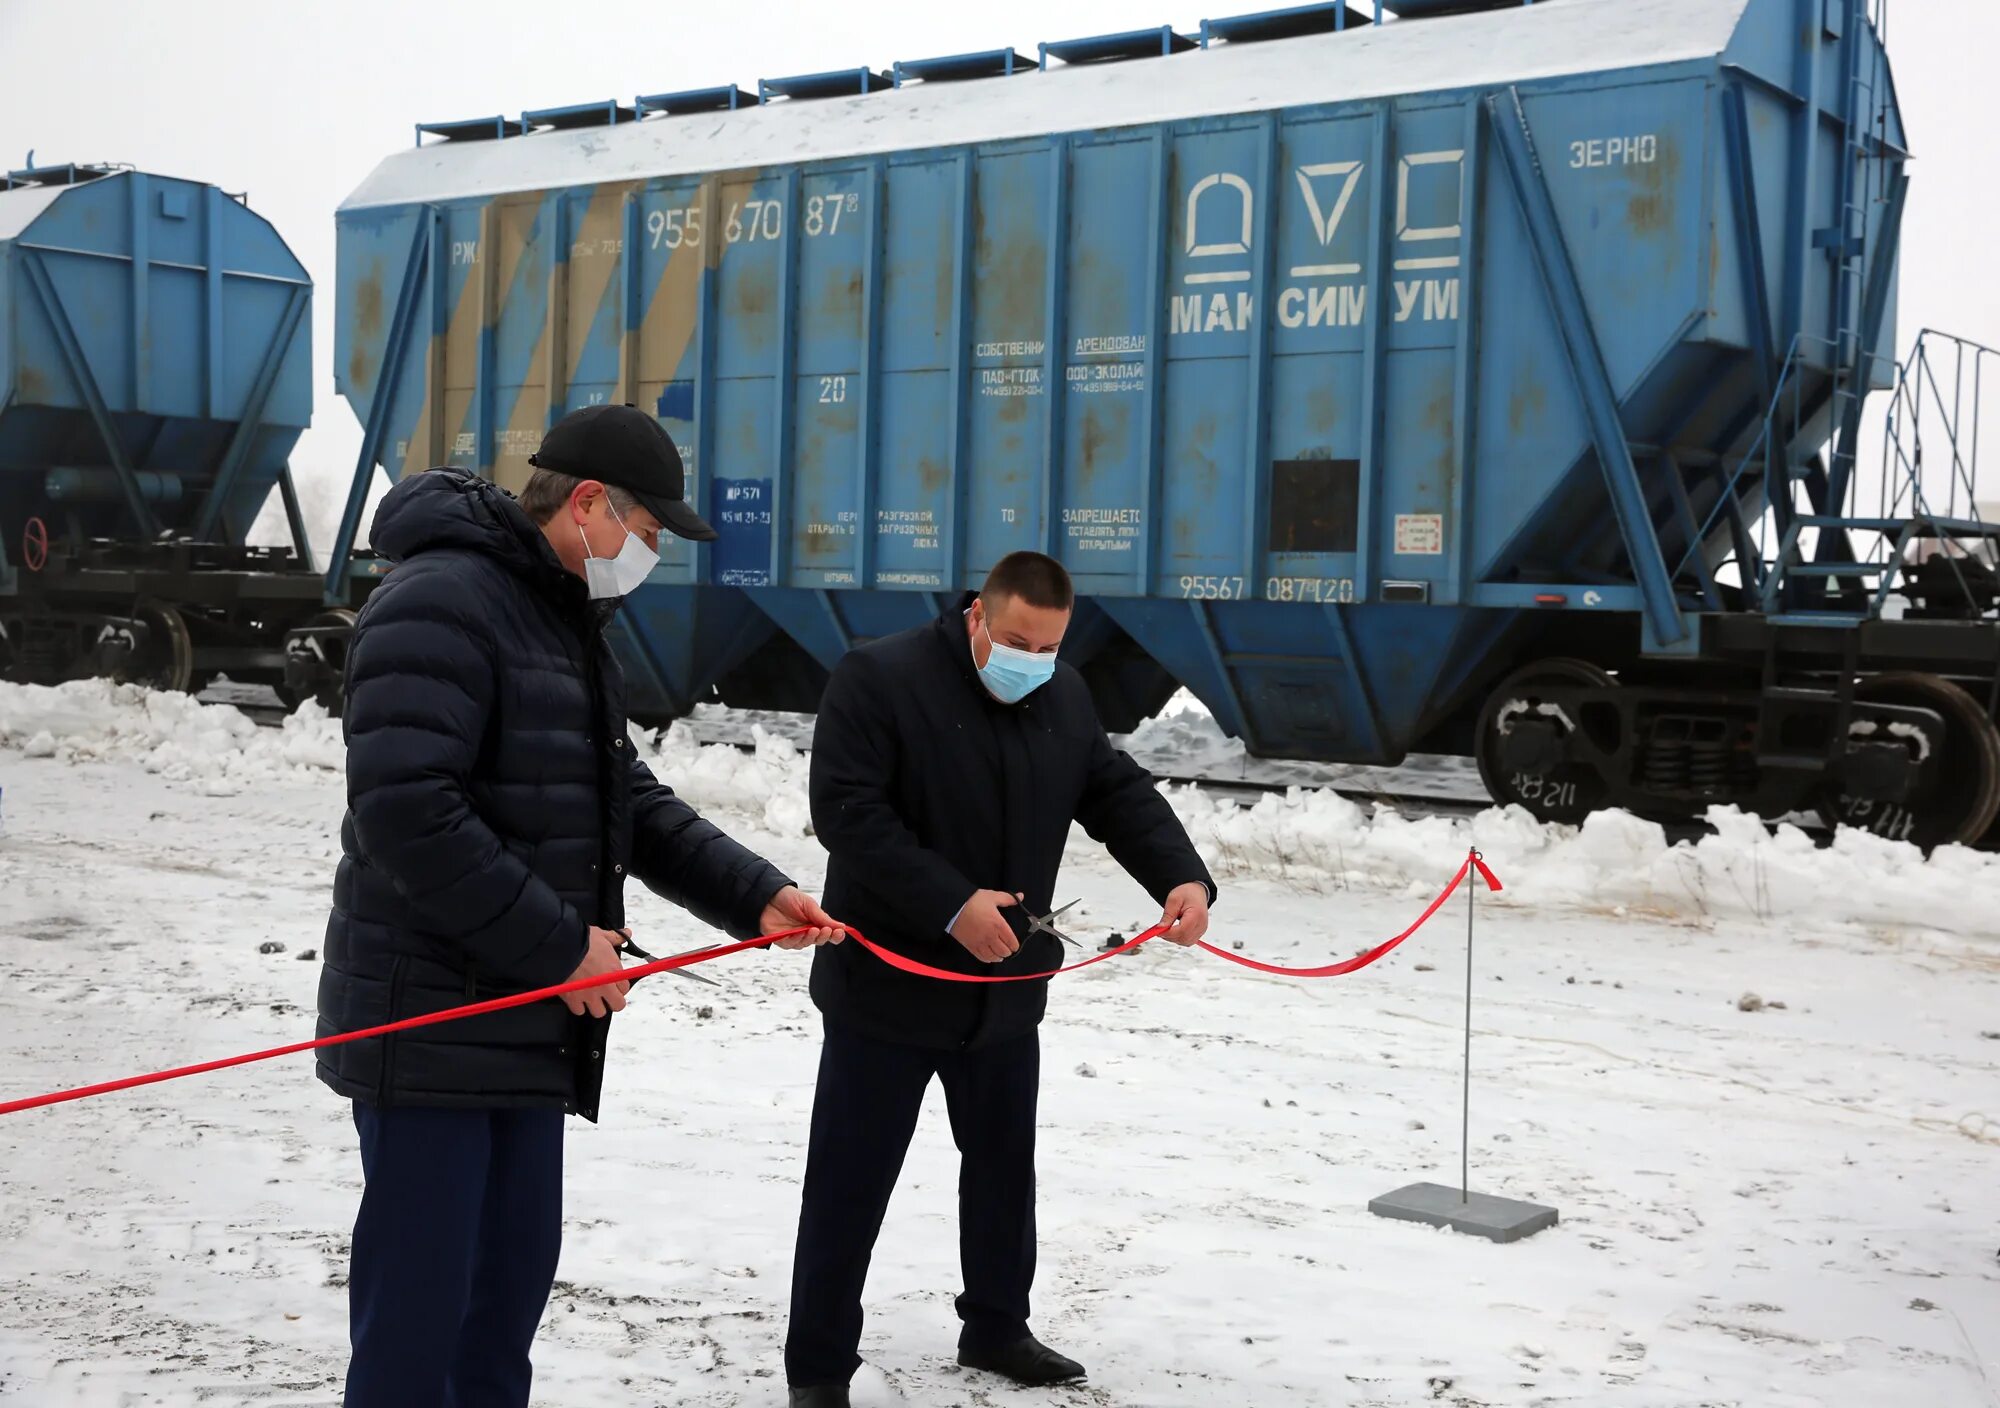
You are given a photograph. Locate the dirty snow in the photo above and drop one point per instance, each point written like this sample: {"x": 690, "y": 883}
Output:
{"x": 1778, "y": 1203}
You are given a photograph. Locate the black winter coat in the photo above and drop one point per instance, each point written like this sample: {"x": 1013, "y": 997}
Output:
{"x": 494, "y": 809}
{"x": 926, "y": 788}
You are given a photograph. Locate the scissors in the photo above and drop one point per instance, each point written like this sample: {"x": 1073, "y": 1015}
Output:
{"x": 1046, "y": 923}
{"x": 644, "y": 957}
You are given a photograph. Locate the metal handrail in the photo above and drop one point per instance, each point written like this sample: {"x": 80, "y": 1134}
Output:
{"x": 1916, "y": 385}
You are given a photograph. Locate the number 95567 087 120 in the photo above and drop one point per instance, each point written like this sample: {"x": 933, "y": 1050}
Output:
{"x": 1317, "y": 590}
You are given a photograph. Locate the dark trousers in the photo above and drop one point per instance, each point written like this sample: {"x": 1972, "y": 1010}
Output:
{"x": 864, "y": 1113}
{"x": 454, "y": 1255}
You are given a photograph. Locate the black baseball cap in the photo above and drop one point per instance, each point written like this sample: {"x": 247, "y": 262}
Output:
{"x": 625, "y": 447}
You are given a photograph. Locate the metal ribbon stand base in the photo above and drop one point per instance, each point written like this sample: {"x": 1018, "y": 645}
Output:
{"x": 1437, "y": 1205}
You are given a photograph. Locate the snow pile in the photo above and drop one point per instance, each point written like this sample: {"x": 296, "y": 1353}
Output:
{"x": 165, "y": 733}
{"x": 768, "y": 783}
{"x": 1313, "y": 840}
{"x": 223, "y": 750}
{"x": 1614, "y": 862}
{"x": 1188, "y": 737}
{"x": 1184, "y": 740}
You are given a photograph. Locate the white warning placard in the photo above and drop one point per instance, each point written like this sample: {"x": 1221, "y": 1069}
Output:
{"x": 1420, "y": 534}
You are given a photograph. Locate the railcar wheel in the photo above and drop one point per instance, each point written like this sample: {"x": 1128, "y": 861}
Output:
{"x": 1542, "y": 772}
{"x": 316, "y": 660}
{"x": 1957, "y": 795}
{"x": 165, "y": 659}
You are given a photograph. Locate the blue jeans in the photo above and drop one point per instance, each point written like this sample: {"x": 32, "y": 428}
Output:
{"x": 455, "y": 1252}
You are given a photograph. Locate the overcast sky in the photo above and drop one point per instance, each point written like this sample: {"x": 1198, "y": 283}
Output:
{"x": 295, "y": 101}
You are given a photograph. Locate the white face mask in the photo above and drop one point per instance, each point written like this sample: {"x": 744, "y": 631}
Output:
{"x": 608, "y": 577}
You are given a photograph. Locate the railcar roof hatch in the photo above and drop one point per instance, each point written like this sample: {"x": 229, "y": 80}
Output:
{"x": 726, "y": 98}
{"x": 472, "y": 129}
{"x": 1429, "y": 9}
{"x": 1107, "y": 48}
{"x": 840, "y": 83}
{"x": 1293, "y": 22}
{"x": 952, "y": 68}
{"x": 63, "y": 174}
{"x": 608, "y": 113}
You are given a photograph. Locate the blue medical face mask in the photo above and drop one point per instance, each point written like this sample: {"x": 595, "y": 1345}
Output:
{"x": 1011, "y": 675}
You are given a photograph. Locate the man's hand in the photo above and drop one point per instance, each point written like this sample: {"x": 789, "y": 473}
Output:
{"x": 792, "y": 908}
{"x": 599, "y": 959}
{"x": 1186, "y": 914}
{"x": 983, "y": 930}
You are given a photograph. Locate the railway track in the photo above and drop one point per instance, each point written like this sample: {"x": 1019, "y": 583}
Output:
{"x": 1441, "y": 797}
{"x": 1437, "y": 787}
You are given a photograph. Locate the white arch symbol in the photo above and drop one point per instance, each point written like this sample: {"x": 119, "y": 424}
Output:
{"x": 1201, "y": 187}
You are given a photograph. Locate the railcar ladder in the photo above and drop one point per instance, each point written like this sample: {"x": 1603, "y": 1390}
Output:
{"x": 1932, "y": 429}
{"x": 1838, "y": 583}
{"x": 1861, "y": 187}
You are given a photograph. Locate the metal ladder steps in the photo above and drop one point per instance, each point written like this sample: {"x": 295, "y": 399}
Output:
{"x": 1920, "y": 527}
{"x": 1814, "y": 618}
{"x": 1837, "y": 569}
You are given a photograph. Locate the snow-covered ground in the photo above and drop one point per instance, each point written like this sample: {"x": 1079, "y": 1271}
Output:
{"x": 1787, "y": 1205}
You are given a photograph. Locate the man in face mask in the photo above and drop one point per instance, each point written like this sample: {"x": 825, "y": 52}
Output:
{"x": 948, "y": 763}
{"x": 495, "y": 809}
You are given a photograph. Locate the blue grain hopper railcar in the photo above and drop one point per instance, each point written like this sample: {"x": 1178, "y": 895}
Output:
{"x": 155, "y": 374}
{"x": 1452, "y": 383}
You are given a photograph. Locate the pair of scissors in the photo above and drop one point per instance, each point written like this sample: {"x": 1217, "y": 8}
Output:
{"x": 1046, "y": 923}
{"x": 644, "y": 957}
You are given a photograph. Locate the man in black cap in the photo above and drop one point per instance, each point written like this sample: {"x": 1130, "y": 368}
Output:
{"x": 494, "y": 808}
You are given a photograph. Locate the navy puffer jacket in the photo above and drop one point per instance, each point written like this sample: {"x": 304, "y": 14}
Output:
{"x": 495, "y": 808}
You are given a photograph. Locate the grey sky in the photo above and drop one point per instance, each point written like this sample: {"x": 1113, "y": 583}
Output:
{"x": 295, "y": 102}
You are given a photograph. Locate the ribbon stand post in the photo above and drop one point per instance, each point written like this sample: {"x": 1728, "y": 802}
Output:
{"x": 1436, "y": 1205}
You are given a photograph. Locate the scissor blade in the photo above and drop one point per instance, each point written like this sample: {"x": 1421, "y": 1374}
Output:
{"x": 689, "y": 972}
{"x": 629, "y": 947}
{"x": 1046, "y": 923}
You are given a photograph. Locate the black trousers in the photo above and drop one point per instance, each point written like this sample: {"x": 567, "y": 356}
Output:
{"x": 864, "y": 1112}
{"x": 455, "y": 1253}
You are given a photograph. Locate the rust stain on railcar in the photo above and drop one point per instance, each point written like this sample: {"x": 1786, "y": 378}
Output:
{"x": 1203, "y": 476}
{"x": 1439, "y": 417}
{"x": 1097, "y": 295}
{"x": 1527, "y": 401}
{"x": 827, "y": 430}
{"x": 1013, "y": 272}
{"x": 1105, "y": 435}
{"x": 752, "y": 297}
{"x": 1650, "y": 209}
{"x": 947, "y": 276}
{"x": 521, "y": 228}
{"x": 1206, "y": 476}
{"x": 1322, "y": 411}
{"x": 367, "y": 326}
{"x": 840, "y": 299}
{"x": 595, "y": 254}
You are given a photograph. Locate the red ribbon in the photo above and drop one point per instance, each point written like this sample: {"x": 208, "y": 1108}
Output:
{"x": 1362, "y": 960}
{"x": 688, "y": 960}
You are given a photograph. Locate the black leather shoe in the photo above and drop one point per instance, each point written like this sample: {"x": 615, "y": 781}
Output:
{"x": 820, "y": 1396}
{"x": 1025, "y": 1361}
